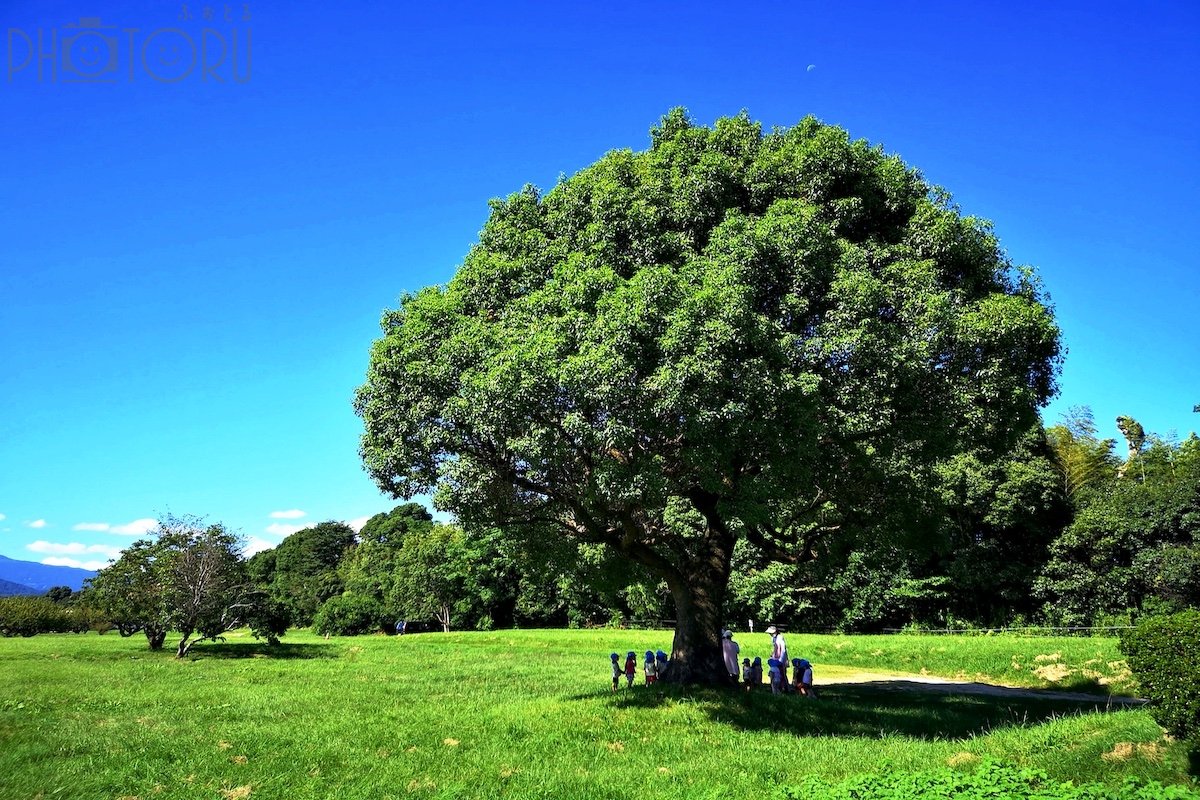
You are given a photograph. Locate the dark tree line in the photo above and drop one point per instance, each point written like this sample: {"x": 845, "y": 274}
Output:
{"x": 403, "y": 565}
{"x": 1066, "y": 529}
{"x": 1059, "y": 531}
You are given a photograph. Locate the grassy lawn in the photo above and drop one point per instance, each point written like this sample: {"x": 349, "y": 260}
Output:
{"x": 527, "y": 714}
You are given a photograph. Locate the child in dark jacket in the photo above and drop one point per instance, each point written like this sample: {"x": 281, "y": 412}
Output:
{"x": 803, "y": 677}
{"x": 756, "y": 673}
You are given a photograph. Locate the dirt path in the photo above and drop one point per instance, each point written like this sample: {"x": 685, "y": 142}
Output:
{"x": 935, "y": 685}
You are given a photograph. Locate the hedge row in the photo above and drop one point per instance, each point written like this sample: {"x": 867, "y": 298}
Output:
{"x": 23, "y": 615}
{"x": 1164, "y": 655}
{"x": 990, "y": 780}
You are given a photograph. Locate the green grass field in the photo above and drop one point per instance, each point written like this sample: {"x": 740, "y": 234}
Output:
{"x": 531, "y": 714}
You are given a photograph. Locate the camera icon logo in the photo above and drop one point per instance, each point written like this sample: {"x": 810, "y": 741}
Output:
{"x": 89, "y": 55}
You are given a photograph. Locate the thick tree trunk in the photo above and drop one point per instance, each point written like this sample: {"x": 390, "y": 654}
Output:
{"x": 699, "y": 590}
{"x": 696, "y": 654}
{"x": 155, "y": 636}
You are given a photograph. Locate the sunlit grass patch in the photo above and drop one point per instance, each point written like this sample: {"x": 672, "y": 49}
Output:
{"x": 517, "y": 714}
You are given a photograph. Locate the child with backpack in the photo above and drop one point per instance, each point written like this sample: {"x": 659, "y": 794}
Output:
{"x": 651, "y": 668}
{"x": 775, "y": 675}
{"x": 756, "y": 672}
{"x": 803, "y": 677}
{"x": 630, "y": 667}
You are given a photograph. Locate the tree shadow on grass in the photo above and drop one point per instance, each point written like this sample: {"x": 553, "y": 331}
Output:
{"x": 258, "y": 649}
{"x": 872, "y": 710}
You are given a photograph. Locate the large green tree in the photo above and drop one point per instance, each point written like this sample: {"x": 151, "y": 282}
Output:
{"x": 1084, "y": 460}
{"x": 305, "y": 568}
{"x": 734, "y": 333}
{"x": 1135, "y": 547}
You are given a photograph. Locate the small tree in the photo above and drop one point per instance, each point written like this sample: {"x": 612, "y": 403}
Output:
{"x": 190, "y": 578}
{"x": 129, "y": 592}
{"x": 59, "y": 594}
{"x": 432, "y": 571}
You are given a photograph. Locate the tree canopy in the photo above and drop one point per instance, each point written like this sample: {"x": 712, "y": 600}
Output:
{"x": 736, "y": 333}
{"x": 189, "y": 577}
{"x": 304, "y": 568}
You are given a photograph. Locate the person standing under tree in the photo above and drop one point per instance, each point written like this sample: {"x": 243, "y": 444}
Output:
{"x": 730, "y": 648}
{"x": 779, "y": 652}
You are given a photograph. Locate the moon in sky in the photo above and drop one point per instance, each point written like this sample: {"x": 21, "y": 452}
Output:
{"x": 811, "y": 67}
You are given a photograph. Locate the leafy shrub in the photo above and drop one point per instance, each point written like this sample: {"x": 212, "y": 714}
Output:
{"x": 990, "y": 780}
{"x": 25, "y": 616}
{"x": 1164, "y": 655}
{"x": 348, "y": 614}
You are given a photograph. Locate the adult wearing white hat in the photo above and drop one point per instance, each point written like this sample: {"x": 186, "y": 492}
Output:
{"x": 730, "y": 650}
{"x": 779, "y": 651}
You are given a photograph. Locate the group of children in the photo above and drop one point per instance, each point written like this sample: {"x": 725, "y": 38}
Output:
{"x": 802, "y": 677}
{"x": 655, "y": 664}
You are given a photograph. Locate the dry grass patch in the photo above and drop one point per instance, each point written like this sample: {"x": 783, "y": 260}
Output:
{"x": 1053, "y": 672}
{"x": 1123, "y": 751}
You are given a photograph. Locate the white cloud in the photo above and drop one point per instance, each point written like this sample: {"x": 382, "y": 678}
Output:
{"x": 279, "y": 529}
{"x": 256, "y": 544}
{"x": 37, "y": 523}
{"x": 294, "y": 513}
{"x": 2, "y": 517}
{"x": 358, "y": 522}
{"x": 136, "y": 528}
{"x": 57, "y": 561}
{"x": 72, "y": 549}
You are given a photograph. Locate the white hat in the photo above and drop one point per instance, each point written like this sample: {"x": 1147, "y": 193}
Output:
{"x": 772, "y": 630}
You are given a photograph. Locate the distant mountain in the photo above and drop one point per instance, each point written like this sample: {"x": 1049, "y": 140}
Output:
{"x": 42, "y": 577}
{"x": 8, "y": 588}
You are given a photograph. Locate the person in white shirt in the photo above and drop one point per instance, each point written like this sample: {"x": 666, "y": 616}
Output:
{"x": 730, "y": 649}
{"x": 779, "y": 652}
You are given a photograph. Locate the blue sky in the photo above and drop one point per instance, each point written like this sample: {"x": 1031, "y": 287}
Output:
{"x": 194, "y": 256}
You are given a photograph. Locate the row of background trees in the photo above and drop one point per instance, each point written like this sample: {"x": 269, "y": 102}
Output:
{"x": 1065, "y": 531}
